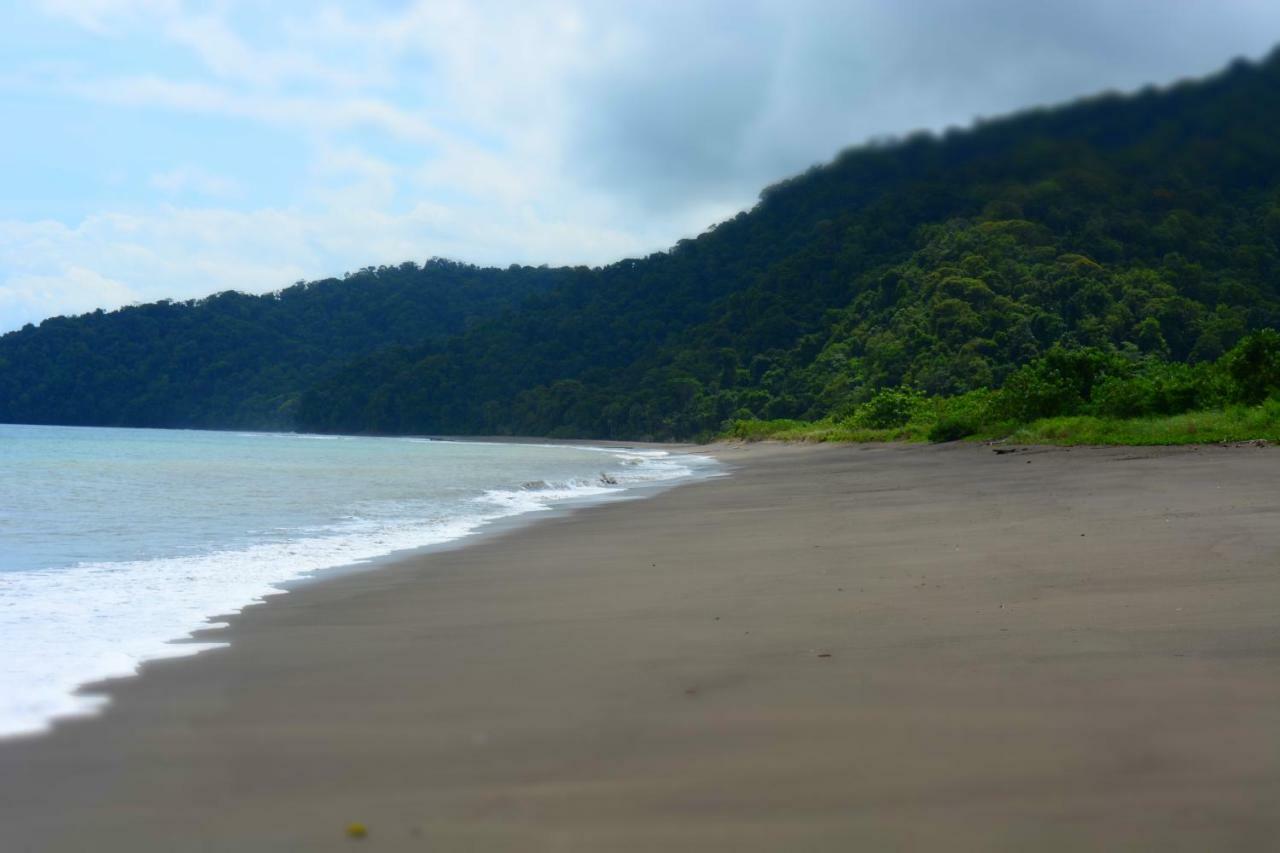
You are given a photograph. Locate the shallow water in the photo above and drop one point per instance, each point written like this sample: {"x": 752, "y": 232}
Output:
{"x": 115, "y": 542}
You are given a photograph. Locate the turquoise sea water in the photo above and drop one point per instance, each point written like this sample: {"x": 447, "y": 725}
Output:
{"x": 115, "y": 542}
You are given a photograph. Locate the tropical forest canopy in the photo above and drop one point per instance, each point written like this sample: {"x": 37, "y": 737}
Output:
{"x": 235, "y": 360}
{"x": 1139, "y": 234}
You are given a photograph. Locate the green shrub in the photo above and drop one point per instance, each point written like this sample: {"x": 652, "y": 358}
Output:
{"x": 1159, "y": 388}
{"x": 758, "y": 430}
{"x": 951, "y": 429}
{"x": 1254, "y": 367}
{"x": 1073, "y": 396}
{"x": 965, "y": 415}
{"x": 1060, "y": 382}
{"x": 889, "y": 408}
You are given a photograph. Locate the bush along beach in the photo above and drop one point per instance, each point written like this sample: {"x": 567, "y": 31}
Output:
{"x": 1081, "y": 395}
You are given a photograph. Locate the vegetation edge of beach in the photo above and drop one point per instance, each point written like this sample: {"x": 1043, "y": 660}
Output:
{"x": 1072, "y": 396}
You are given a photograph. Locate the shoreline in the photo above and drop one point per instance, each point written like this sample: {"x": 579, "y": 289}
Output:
{"x": 925, "y": 647}
{"x": 89, "y": 696}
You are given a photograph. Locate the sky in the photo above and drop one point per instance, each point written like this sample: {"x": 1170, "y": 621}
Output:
{"x": 168, "y": 149}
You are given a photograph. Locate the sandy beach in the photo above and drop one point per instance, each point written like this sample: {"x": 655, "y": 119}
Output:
{"x": 835, "y": 648}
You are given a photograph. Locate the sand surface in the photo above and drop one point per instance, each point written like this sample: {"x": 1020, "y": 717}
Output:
{"x": 836, "y": 648}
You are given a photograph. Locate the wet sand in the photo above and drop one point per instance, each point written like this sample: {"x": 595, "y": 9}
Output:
{"x": 836, "y": 648}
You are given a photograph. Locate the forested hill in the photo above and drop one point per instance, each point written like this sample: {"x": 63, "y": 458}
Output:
{"x": 1145, "y": 225}
{"x": 235, "y": 360}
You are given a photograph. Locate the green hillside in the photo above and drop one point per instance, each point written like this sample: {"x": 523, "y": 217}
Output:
{"x": 234, "y": 360}
{"x": 1136, "y": 233}
{"x": 1145, "y": 225}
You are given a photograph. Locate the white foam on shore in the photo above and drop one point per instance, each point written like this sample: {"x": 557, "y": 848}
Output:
{"x": 95, "y": 621}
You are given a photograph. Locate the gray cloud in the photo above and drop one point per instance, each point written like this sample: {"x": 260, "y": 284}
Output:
{"x": 680, "y": 108}
{"x": 716, "y": 101}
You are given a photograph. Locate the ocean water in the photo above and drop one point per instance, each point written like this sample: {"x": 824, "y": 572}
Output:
{"x": 114, "y": 543}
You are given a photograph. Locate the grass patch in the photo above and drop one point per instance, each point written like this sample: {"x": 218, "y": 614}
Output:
{"x": 1237, "y": 423}
{"x": 1233, "y": 423}
{"x": 828, "y": 429}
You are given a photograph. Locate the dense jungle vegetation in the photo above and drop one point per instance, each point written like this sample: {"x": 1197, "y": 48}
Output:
{"x": 1076, "y": 395}
{"x": 235, "y": 360}
{"x": 959, "y": 281}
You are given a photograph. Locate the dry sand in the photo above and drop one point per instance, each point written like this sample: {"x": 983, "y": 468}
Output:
{"x": 836, "y": 648}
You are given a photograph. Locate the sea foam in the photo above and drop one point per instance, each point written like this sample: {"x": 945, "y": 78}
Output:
{"x": 66, "y": 626}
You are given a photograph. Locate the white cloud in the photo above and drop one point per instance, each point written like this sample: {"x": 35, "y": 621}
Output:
{"x": 193, "y": 179}
{"x": 230, "y": 57}
{"x": 74, "y": 289}
{"x": 312, "y": 113}
{"x": 106, "y": 16}
{"x": 180, "y": 252}
{"x": 534, "y": 131}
